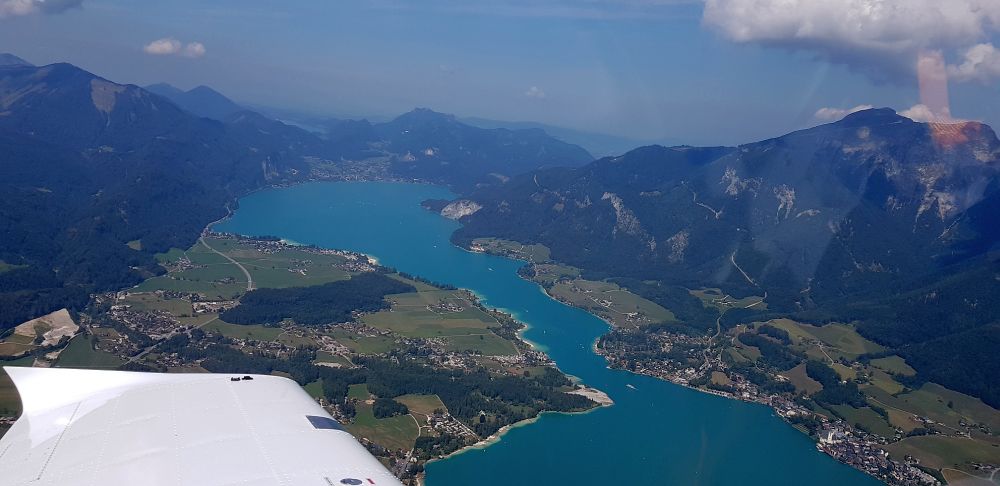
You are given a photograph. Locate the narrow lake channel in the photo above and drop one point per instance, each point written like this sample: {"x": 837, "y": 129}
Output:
{"x": 657, "y": 433}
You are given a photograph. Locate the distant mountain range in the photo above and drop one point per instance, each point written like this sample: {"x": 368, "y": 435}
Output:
{"x": 202, "y": 101}
{"x": 97, "y": 176}
{"x": 875, "y": 218}
{"x": 422, "y": 144}
{"x": 598, "y": 144}
{"x": 12, "y": 60}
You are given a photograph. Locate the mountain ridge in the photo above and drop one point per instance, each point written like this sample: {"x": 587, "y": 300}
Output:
{"x": 821, "y": 219}
{"x": 99, "y": 176}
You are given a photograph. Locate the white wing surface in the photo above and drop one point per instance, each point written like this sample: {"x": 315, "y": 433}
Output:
{"x": 111, "y": 428}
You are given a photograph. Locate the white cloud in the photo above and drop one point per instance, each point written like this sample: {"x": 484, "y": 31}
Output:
{"x": 163, "y": 47}
{"x": 923, "y": 113}
{"x": 920, "y": 113}
{"x": 980, "y": 62}
{"x": 12, "y": 8}
{"x": 168, "y": 46}
{"x": 834, "y": 114}
{"x": 880, "y": 37}
{"x": 194, "y": 49}
{"x": 535, "y": 92}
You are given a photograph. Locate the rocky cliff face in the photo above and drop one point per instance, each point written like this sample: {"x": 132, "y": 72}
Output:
{"x": 460, "y": 209}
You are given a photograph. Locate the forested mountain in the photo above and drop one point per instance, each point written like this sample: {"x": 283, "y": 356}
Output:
{"x": 435, "y": 146}
{"x": 202, "y": 101}
{"x": 431, "y": 146}
{"x": 875, "y": 218}
{"x": 421, "y": 144}
{"x": 98, "y": 176}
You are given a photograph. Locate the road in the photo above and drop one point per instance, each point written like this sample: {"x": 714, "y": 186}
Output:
{"x": 234, "y": 262}
{"x": 732, "y": 258}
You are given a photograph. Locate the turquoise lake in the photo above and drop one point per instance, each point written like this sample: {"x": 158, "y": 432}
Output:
{"x": 657, "y": 433}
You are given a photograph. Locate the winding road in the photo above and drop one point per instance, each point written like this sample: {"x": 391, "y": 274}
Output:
{"x": 234, "y": 262}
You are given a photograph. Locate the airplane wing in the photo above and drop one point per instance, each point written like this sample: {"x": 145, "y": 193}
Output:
{"x": 107, "y": 428}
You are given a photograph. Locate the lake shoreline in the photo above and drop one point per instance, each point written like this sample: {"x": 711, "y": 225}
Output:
{"x": 387, "y": 220}
{"x": 768, "y": 402}
{"x": 497, "y": 436}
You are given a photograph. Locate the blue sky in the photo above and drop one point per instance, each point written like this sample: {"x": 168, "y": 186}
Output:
{"x": 645, "y": 69}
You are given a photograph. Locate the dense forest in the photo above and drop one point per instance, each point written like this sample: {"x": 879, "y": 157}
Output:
{"x": 318, "y": 304}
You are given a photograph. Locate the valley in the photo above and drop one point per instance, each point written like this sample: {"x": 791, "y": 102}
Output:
{"x": 730, "y": 270}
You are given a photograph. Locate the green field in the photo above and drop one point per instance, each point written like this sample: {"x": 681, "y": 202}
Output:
{"x": 937, "y": 451}
{"x": 840, "y": 340}
{"x": 326, "y": 357}
{"x": 314, "y": 389}
{"x": 736, "y": 355}
{"x": 803, "y": 383}
{"x": 218, "y": 278}
{"x": 81, "y": 354}
{"x": 893, "y": 364}
{"x": 170, "y": 256}
{"x": 420, "y": 286}
{"x": 536, "y": 253}
{"x": 932, "y": 400}
{"x": 150, "y": 302}
{"x": 488, "y": 344}
{"x": 421, "y": 314}
{"x": 845, "y": 372}
{"x": 712, "y": 297}
{"x": 422, "y": 404}
{"x": 550, "y": 273}
{"x": 611, "y": 302}
{"x": 236, "y": 331}
{"x": 397, "y": 432}
{"x": 867, "y": 417}
{"x": 364, "y": 344}
{"x": 289, "y": 268}
{"x": 358, "y": 392}
{"x": 885, "y": 382}
{"x": 444, "y": 314}
{"x": 183, "y": 282}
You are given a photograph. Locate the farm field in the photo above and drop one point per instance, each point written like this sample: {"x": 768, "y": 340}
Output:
{"x": 535, "y": 253}
{"x": 237, "y": 331}
{"x": 942, "y": 452}
{"x": 422, "y": 404}
{"x": 838, "y": 340}
{"x": 803, "y": 383}
{"x": 80, "y": 353}
{"x": 932, "y": 400}
{"x": 866, "y": 417}
{"x": 448, "y": 315}
{"x": 548, "y": 274}
{"x": 712, "y": 297}
{"x": 621, "y": 307}
{"x": 399, "y": 432}
{"x": 893, "y": 364}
